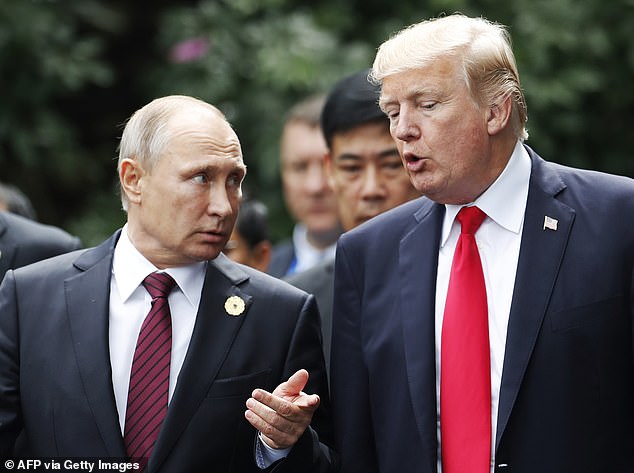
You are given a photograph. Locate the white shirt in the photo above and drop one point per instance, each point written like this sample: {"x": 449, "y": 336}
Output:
{"x": 306, "y": 255}
{"x": 498, "y": 240}
{"x": 130, "y": 303}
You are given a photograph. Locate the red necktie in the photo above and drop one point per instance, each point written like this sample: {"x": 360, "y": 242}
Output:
{"x": 149, "y": 377}
{"x": 465, "y": 373}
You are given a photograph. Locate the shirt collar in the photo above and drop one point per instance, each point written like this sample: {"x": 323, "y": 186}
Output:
{"x": 504, "y": 201}
{"x": 130, "y": 268}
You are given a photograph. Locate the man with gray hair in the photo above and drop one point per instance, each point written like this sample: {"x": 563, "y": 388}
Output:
{"x": 224, "y": 373}
{"x": 487, "y": 326}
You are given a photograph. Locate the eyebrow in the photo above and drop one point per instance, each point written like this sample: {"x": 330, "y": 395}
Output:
{"x": 415, "y": 93}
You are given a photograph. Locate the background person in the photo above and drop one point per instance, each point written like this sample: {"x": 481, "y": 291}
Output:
{"x": 250, "y": 242}
{"x": 307, "y": 194}
{"x": 546, "y": 375}
{"x": 364, "y": 170}
{"x": 226, "y": 343}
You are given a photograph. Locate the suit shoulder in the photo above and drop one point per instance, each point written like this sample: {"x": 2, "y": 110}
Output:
{"x": 391, "y": 223}
{"x": 30, "y": 233}
{"x": 313, "y": 278}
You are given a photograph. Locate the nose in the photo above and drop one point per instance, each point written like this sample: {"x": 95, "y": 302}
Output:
{"x": 220, "y": 203}
{"x": 405, "y": 128}
{"x": 372, "y": 187}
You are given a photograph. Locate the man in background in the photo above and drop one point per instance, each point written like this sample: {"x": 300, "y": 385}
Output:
{"x": 23, "y": 240}
{"x": 307, "y": 194}
{"x": 250, "y": 242}
{"x": 364, "y": 170}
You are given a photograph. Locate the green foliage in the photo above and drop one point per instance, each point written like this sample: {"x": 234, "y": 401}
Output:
{"x": 72, "y": 71}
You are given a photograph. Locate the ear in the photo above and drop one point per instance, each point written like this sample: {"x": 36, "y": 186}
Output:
{"x": 130, "y": 175}
{"x": 499, "y": 114}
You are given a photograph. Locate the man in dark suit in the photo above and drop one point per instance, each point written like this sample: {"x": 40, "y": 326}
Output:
{"x": 224, "y": 348}
{"x": 365, "y": 173}
{"x": 23, "y": 241}
{"x": 556, "y": 251}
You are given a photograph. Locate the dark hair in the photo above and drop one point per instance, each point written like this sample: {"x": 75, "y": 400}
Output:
{"x": 353, "y": 101}
{"x": 252, "y": 222}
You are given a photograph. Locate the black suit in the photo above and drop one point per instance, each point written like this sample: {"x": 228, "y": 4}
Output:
{"x": 56, "y": 379}
{"x": 23, "y": 241}
{"x": 567, "y": 389}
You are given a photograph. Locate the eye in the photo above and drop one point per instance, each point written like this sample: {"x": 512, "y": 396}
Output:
{"x": 200, "y": 179}
{"x": 235, "y": 180}
{"x": 428, "y": 105}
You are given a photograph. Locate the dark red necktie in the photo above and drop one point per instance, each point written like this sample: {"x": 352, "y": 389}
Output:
{"x": 465, "y": 373}
{"x": 149, "y": 377}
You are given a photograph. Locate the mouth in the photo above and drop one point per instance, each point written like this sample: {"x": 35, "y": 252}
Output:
{"x": 413, "y": 162}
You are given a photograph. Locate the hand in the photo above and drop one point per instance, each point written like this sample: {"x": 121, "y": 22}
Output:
{"x": 282, "y": 416}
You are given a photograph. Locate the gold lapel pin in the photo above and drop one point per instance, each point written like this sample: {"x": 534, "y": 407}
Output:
{"x": 234, "y": 305}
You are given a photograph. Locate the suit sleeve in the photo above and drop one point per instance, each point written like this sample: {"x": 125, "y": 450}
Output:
{"x": 354, "y": 439}
{"x": 313, "y": 452}
{"x": 10, "y": 417}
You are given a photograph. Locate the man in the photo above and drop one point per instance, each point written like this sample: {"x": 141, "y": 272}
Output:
{"x": 23, "y": 241}
{"x": 307, "y": 194}
{"x": 249, "y": 243}
{"x": 76, "y": 382}
{"x": 543, "y": 381}
{"x": 365, "y": 173}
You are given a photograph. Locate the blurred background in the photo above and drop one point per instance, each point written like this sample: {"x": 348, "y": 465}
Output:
{"x": 72, "y": 72}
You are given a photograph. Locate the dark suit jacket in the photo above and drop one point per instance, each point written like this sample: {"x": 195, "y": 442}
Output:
{"x": 56, "y": 381}
{"x": 319, "y": 281}
{"x": 281, "y": 258}
{"x": 567, "y": 391}
{"x": 23, "y": 241}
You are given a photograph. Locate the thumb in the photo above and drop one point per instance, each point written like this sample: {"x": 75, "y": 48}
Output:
{"x": 293, "y": 387}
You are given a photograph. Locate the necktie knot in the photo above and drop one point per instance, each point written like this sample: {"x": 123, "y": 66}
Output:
{"x": 159, "y": 284}
{"x": 470, "y": 219}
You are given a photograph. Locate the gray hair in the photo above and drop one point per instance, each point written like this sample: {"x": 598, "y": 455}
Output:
{"x": 488, "y": 63}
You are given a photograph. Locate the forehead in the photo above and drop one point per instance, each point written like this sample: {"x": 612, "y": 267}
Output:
{"x": 367, "y": 137}
{"x": 435, "y": 79}
{"x": 203, "y": 134}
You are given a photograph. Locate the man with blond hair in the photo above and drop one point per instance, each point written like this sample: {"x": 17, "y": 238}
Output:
{"x": 487, "y": 326}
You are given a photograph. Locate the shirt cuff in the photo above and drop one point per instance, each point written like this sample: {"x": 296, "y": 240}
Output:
{"x": 265, "y": 456}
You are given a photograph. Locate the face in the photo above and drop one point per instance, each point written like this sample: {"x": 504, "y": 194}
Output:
{"x": 307, "y": 192}
{"x": 184, "y": 209}
{"x": 442, "y": 134}
{"x": 367, "y": 174}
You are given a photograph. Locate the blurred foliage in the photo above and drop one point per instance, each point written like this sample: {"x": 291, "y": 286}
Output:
{"x": 72, "y": 71}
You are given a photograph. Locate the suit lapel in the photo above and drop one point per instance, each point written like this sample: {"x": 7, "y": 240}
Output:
{"x": 213, "y": 335}
{"x": 87, "y": 296}
{"x": 541, "y": 252}
{"x": 417, "y": 299}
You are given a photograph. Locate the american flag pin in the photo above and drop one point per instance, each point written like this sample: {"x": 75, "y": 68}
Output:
{"x": 550, "y": 223}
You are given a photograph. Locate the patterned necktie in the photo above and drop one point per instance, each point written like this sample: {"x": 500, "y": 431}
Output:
{"x": 149, "y": 377}
{"x": 465, "y": 373}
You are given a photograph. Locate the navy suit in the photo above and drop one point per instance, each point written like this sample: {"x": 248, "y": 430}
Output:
{"x": 56, "y": 378}
{"x": 567, "y": 390}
